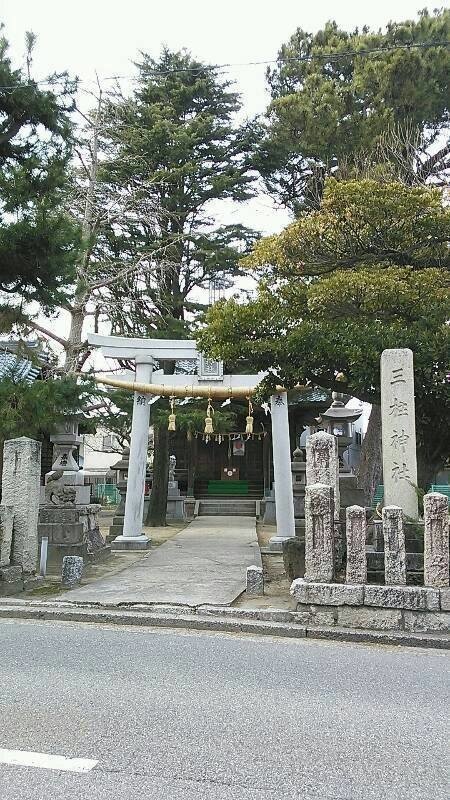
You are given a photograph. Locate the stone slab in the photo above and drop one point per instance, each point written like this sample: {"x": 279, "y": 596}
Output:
{"x": 62, "y": 533}
{"x": 328, "y": 594}
{"x": 426, "y": 621}
{"x": 131, "y": 543}
{"x": 410, "y": 597}
{"x": 315, "y": 615}
{"x": 375, "y": 618}
{"x": 205, "y": 563}
{"x": 10, "y": 574}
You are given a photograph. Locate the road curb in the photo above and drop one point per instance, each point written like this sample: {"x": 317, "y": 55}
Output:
{"x": 226, "y": 619}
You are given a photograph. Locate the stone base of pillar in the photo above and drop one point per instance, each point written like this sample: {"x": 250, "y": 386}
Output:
{"x": 131, "y": 543}
{"x": 276, "y": 543}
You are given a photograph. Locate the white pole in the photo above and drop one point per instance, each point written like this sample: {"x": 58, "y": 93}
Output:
{"x": 43, "y": 560}
{"x": 133, "y": 538}
{"x": 284, "y": 499}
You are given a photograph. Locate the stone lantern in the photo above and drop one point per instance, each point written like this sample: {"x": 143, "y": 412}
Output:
{"x": 121, "y": 467}
{"x": 338, "y": 420}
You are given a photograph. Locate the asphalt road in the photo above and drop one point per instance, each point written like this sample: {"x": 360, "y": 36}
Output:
{"x": 175, "y": 715}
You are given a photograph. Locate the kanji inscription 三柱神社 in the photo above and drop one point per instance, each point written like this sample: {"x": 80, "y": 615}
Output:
{"x": 399, "y": 431}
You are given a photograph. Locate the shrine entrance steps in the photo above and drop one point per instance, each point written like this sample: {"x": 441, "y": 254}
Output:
{"x": 227, "y": 507}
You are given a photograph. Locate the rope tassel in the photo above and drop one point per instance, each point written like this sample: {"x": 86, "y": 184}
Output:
{"x": 172, "y": 416}
{"x": 249, "y": 419}
{"x": 208, "y": 419}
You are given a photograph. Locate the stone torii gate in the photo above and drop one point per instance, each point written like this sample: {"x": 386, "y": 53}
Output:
{"x": 209, "y": 383}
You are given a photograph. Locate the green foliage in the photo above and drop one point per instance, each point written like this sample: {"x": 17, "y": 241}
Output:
{"x": 38, "y": 242}
{"x": 331, "y": 99}
{"x": 361, "y": 223}
{"x": 35, "y": 409}
{"x": 332, "y": 327}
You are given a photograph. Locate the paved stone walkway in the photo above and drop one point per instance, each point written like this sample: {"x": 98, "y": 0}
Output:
{"x": 205, "y": 563}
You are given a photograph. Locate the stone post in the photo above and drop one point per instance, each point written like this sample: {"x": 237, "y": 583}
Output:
{"x": 394, "y": 546}
{"x": 322, "y": 464}
{"x": 436, "y": 550}
{"x": 355, "y": 531}
{"x": 284, "y": 500}
{"x": 72, "y": 570}
{"x": 21, "y": 490}
{"x": 319, "y": 533}
{"x": 255, "y": 581}
{"x": 132, "y": 537}
{"x": 399, "y": 431}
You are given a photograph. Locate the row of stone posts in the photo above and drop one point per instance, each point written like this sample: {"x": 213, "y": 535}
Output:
{"x": 321, "y": 521}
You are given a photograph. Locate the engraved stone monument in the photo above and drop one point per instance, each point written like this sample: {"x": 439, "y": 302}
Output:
{"x": 21, "y": 490}
{"x": 322, "y": 464}
{"x": 355, "y": 531}
{"x": 436, "y": 551}
{"x": 399, "y": 431}
{"x": 394, "y": 546}
{"x": 319, "y": 533}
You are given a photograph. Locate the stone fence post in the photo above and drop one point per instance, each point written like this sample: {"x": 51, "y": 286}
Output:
{"x": 322, "y": 464}
{"x": 319, "y": 533}
{"x": 355, "y": 531}
{"x": 436, "y": 550}
{"x": 394, "y": 546}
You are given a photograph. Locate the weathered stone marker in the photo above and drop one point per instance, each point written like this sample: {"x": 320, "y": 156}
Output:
{"x": 355, "y": 531}
{"x": 322, "y": 464}
{"x": 436, "y": 551}
{"x": 399, "y": 431}
{"x": 21, "y": 490}
{"x": 255, "y": 581}
{"x": 6, "y": 527}
{"x": 319, "y": 533}
{"x": 394, "y": 546}
{"x": 72, "y": 570}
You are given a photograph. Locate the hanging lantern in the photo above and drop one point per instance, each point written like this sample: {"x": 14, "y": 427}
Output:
{"x": 208, "y": 420}
{"x": 172, "y": 416}
{"x": 249, "y": 419}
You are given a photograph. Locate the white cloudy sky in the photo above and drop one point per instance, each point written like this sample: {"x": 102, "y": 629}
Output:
{"x": 105, "y": 36}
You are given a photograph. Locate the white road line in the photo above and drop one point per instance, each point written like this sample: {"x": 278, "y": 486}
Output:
{"x": 26, "y": 758}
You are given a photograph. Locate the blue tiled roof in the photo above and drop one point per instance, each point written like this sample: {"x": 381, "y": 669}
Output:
{"x": 16, "y": 366}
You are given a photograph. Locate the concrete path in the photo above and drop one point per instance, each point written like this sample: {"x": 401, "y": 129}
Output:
{"x": 204, "y": 563}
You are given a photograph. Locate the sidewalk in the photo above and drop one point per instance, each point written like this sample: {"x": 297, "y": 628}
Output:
{"x": 205, "y": 563}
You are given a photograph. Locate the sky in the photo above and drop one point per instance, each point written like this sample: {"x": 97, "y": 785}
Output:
{"x": 104, "y": 37}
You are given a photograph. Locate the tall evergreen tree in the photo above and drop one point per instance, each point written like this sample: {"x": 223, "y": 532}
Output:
{"x": 175, "y": 141}
{"x": 336, "y": 94}
{"x": 38, "y": 242}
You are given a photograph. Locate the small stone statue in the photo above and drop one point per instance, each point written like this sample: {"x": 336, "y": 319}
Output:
{"x": 58, "y": 494}
{"x": 172, "y": 465}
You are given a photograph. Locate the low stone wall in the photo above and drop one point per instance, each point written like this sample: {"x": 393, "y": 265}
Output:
{"x": 409, "y": 608}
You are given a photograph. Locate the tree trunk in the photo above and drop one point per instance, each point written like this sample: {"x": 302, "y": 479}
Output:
{"x": 157, "y": 508}
{"x": 191, "y": 446}
{"x": 74, "y": 340}
{"x": 370, "y": 468}
{"x": 427, "y": 469}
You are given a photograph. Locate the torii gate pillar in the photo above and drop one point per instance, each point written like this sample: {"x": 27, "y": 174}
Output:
{"x": 133, "y": 538}
{"x": 284, "y": 499}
